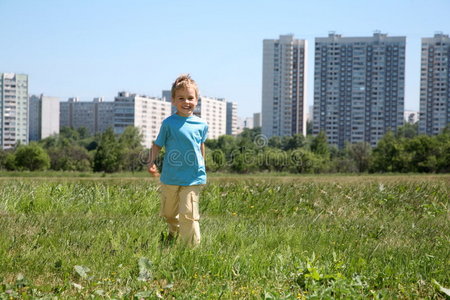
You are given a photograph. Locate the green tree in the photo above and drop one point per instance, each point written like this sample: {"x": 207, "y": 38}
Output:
{"x": 107, "y": 158}
{"x": 276, "y": 159}
{"x": 343, "y": 164}
{"x": 69, "y": 133}
{"x": 275, "y": 142}
{"x": 408, "y": 130}
{"x": 10, "y": 162}
{"x": 389, "y": 155}
{"x": 250, "y": 139}
{"x": 83, "y": 132}
{"x": 50, "y": 141}
{"x": 238, "y": 163}
{"x": 293, "y": 142}
{"x": 131, "y": 138}
{"x": 227, "y": 144}
{"x": 424, "y": 151}
{"x": 31, "y": 157}
{"x": 130, "y": 142}
{"x": 309, "y": 127}
{"x": 360, "y": 154}
{"x": 243, "y": 161}
{"x": 319, "y": 145}
{"x": 443, "y": 159}
{"x": 3, "y": 156}
{"x": 70, "y": 158}
{"x": 305, "y": 161}
{"x": 211, "y": 144}
{"x": 250, "y": 134}
{"x": 215, "y": 159}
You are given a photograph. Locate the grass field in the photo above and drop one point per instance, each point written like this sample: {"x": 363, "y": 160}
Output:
{"x": 282, "y": 237}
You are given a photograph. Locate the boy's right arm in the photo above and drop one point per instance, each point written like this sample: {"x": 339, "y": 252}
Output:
{"x": 154, "y": 152}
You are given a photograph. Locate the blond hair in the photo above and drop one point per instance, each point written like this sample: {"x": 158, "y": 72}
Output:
{"x": 184, "y": 81}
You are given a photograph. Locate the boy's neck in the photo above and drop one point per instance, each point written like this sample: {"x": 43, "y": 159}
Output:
{"x": 183, "y": 115}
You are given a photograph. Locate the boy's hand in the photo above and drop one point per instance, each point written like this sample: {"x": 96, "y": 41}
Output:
{"x": 152, "y": 169}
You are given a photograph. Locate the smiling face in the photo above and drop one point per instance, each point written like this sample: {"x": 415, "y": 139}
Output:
{"x": 185, "y": 100}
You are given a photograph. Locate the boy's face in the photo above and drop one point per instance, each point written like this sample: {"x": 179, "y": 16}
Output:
{"x": 185, "y": 101}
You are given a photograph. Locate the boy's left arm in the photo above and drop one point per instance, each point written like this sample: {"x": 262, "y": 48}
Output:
{"x": 202, "y": 149}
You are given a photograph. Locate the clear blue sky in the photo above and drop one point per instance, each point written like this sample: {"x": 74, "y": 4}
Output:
{"x": 92, "y": 48}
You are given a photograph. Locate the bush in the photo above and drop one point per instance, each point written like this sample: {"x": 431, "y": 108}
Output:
{"x": 32, "y": 158}
{"x": 70, "y": 158}
{"x": 107, "y": 157}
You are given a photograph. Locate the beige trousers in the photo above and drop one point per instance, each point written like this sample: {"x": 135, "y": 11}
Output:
{"x": 179, "y": 207}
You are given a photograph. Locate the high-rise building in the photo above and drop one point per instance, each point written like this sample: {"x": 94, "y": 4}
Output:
{"x": 214, "y": 112}
{"x": 244, "y": 123}
{"x": 231, "y": 118}
{"x": 256, "y": 120}
{"x": 435, "y": 84}
{"x": 284, "y": 86}
{"x": 359, "y": 86}
{"x": 95, "y": 116}
{"x": 309, "y": 115}
{"x": 143, "y": 112}
{"x": 44, "y": 117}
{"x": 13, "y": 109}
{"x": 248, "y": 123}
{"x": 167, "y": 96}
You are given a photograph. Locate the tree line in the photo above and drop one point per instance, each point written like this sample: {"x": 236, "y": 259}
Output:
{"x": 250, "y": 151}
{"x": 401, "y": 151}
{"x": 76, "y": 150}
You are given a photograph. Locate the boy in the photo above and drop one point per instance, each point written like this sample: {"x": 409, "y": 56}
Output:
{"x": 183, "y": 135}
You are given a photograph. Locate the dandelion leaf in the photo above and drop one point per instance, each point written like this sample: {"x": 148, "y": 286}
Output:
{"x": 145, "y": 272}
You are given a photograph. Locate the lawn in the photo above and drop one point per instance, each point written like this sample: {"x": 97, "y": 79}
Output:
{"x": 264, "y": 236}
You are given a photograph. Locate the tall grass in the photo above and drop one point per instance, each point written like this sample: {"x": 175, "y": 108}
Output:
{"x": 261, "y": 239}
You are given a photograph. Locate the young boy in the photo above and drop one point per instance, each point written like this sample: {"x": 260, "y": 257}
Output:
{"x": 183, "y": 135}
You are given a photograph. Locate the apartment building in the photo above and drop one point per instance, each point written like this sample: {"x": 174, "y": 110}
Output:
{"x": 256, "y": 120}
{"x": 359, "y": 85}
{"x": 43, "y": 117}
{"x": 435, "y": 84}
{"x": 13, "y": 109}
{"x": 95, "y": 116}
{"x": 214, "y": 112}
{"x": 143, "y": 112}
{"x": 232, "y": 118}
{"x": 284, "y": 86}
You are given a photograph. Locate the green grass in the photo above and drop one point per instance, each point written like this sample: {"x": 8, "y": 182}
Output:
{"x": 310, "y": 237}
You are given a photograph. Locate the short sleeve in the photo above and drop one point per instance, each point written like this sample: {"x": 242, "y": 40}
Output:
{"x": 205, "y": 133}
{"x": 162, "y": 135}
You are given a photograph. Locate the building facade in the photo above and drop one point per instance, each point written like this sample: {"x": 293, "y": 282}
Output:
{"x": 359, "y": 86}
{"x": 13, "y": 109}
{"x": 435, "y": 84}
{"x": 256, "y": 120}
{"x": 167, "y": 96}
{"x": 44, "y": 117}
{"x": 95, "y": 116}
{"x": 231, "y": 118}
{"x": 284, "y": 86}
{"x": 214, "y": 112}
{"x": 143, "y": 112}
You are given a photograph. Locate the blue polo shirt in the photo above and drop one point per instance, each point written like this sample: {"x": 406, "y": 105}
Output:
{"x": 183, "y": 161}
